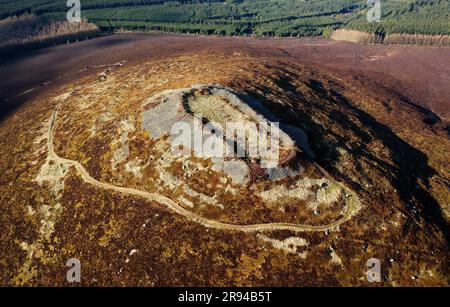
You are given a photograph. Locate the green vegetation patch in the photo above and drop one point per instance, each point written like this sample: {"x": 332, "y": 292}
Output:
{"x": 249, "y": 17}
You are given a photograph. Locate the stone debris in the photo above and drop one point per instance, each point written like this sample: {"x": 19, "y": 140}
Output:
{"x": 134, "y": 167}
{"x": 211, "y": 108}
{"x": 120, "y": 146}
{"x": 237, "y": 170}
{"x": 290, "y": 245}
{"x": 326, "y": 192}
{"x": 218, "y": 105}
{"x": 335, "y": 259}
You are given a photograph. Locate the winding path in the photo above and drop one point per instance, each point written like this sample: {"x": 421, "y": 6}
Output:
{"x": 350, "y": 207}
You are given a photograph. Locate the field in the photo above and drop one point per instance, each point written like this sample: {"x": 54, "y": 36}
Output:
{"x": 250, "y": 17}
{"x": 88, "y": 172}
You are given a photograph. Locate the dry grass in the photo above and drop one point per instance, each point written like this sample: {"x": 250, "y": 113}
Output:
{"x": 391, "y": 39}
{"x": 417, "y": 39}
{"x": 355, "y": 36}
{"x": 28, "y": 28}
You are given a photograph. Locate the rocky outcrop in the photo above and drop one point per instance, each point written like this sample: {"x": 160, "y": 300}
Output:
{"x": 218, "y": 107}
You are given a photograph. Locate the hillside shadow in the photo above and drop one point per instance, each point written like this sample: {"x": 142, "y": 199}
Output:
{"x": 408, "y": 166}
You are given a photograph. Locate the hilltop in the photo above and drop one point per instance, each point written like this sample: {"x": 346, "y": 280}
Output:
{"x": 88, "y": 171}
